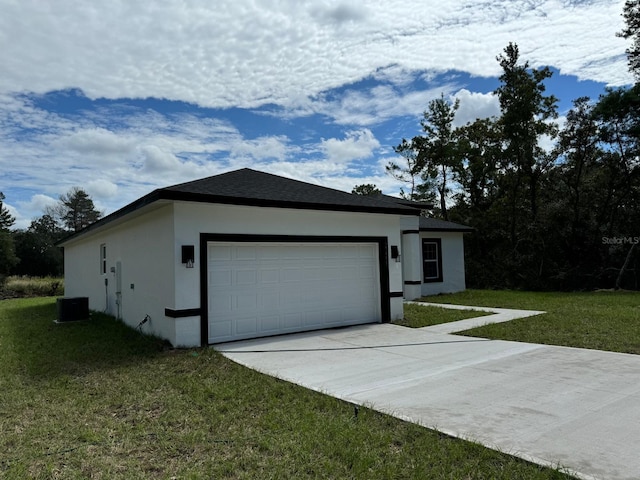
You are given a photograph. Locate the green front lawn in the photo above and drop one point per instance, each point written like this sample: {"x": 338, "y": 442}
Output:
{"x": 418, "y": 316}
{"x": 598, "y": 320}
{"x": 96, "y": 399}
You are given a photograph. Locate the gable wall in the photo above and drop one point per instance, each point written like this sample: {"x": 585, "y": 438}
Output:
{"x": 143, "y": 246}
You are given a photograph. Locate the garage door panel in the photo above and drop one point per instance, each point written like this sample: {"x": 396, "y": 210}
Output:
{"x": 291, "y": 320}
{"x": 246, "y": 302}
{"x": 267, "y": 288}
{"x": 246, "y": 277}
{"x": 264, "y": 254}
{"x": 223, "y": 303}
{"x": 221, "y": 329}
{"x": 368, "y": 297}
{"x": 221, "y": 253}
{"x": 246, "y": 325}
{"x": 290, "y": 300}
{"x": 309, "y": 252}
{"x": 292, "y": 275}
{"x": 245, "y": 252}
{"x": 220, "y": 276}
{"x": 313, "y": 319}
{"x": 333, "y": 317}
{"x": 348, "y": 313}
{"x": 269, "y": 275}
{"x": 270, "y": 324}
{"x": 269, "y": 301}
{"x": 365, "y": 272}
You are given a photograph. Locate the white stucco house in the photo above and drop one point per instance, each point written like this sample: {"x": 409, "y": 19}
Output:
{"x": 247, "y": 254}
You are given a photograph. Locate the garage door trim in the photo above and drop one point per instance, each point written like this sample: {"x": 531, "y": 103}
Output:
{"x": 205, "y": 238}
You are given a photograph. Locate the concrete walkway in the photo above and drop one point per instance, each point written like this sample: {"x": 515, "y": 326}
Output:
{"x": 564, "y": 407}
{"x": 499, "y": 315}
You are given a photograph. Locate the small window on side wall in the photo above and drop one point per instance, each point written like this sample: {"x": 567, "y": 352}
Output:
{"x": 103, "y": 258}
{"x": 431, "y": 260}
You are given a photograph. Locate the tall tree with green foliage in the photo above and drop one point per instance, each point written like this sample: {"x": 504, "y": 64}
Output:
{"x": 479, "y": 150}
{"x": 6, "y": 219}
{"x": 478, "y": 199}
{"x": 437, "y": 153}
{"x": 8, "y": 256}
{"x": 631, "y": 14}
{"x": 618, "y": 116}
{"x": 572, "y": 201}
{"x": 366, "y": 189}
{"x": 76, "y": 210}
{"x": 565, "y": 219}
{"x": 410, "y": 172}
{"x": 579, "y": 152}
{"x": 526, "y": 114}
{"x": 37, "y": 249}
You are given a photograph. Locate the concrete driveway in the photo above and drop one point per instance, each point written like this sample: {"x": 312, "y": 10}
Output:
{"x": 573, "y": 408}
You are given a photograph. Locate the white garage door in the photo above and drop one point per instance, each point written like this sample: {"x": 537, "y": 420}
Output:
{"x": 260, "y": 289}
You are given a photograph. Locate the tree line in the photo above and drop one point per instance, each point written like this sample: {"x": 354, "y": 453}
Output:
{"x": 565, "y": 217}
{"x": 32, "y": 251}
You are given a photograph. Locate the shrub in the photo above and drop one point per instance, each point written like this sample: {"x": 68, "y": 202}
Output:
{"x": 33, "y": 286}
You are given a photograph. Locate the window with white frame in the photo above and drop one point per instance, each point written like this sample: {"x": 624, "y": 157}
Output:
{"x": 103, "y": 258}
{"x": 431, "y": 260}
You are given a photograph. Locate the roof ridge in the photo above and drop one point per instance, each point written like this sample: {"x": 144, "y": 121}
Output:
{"x": 255, "y": 188}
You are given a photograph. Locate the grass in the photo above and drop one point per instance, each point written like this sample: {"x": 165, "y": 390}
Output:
{"x": 96, "y": 399}
{"x": 23, "y": 286}
{"x": 418, "y": 316}
{"x": 602, "y": 320}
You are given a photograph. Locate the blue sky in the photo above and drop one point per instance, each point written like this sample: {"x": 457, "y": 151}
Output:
{"x": 123, "y": 97}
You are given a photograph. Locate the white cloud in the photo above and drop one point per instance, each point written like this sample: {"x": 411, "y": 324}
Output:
{"x": 341, "y": 13}
{"x": 475, "y": 105}
{"x": 288, "y": 55}
{"x": 357, "y": 145}
{"x": 98, "y": 141}
{"x": 228, "y": 53}
{"x": 28, "y": 210}
{"x": 161, "y": 166}
{"x": 382, "y": 103}
{"x": 262, "y": 148}
{"x": 157, "y": 161}
{"x": 115, "y": 156}
{"x": 319, "y": 172}
{"x": 394, "y": 74}
{"x": 102, "y": 189}
{"x": 334, "y": 175}
{"x": 368, "y": 107}
{"x": 39, "y": 202}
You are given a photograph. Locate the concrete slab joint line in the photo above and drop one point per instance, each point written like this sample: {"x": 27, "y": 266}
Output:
{"x": 499, "y": 315}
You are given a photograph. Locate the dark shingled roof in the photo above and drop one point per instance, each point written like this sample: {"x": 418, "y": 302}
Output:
{"x": 434, "y": 225}
{"x": 250, "y": 187}
{"x": 253, "y": 188}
